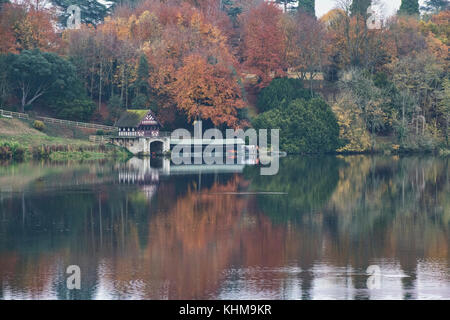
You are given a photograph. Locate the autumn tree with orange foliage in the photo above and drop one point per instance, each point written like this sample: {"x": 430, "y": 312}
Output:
{"x": 263, "y": 46}
{"x": 28, "y": 25}
{"x": 353, "y": 44}
{"x": 209, "y": 92}
{"x": 186, "y": 33}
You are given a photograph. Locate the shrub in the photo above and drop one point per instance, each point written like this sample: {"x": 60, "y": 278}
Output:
{"x": 76, "y": 109}
{"x": 281, "y": 92}
{"x": 100, "y": 133}
{"x": 352, "y": 128}
{"x": 41, "y": 152}
{"x": 11, "y": 150}
{"x": 305, "y": 126}
{"x": 38, "y": 125}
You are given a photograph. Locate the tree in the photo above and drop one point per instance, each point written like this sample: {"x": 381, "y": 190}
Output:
{"x": 232, "y": 9}
{"x": 9, "y": 16}
{"x": 206, "y": 91}
{"x": 421, "y": 75}
{"x": 33, "y": 74}
{"x": 141, "y": 83}
{"x": 280, "y": 93}
{"x": 4, "y": 81}
{"x": 353, "y": 44}
{"x": 74, "y": 106}
{"x": 92, "y": 11}
{"x": 114, "y": 108}
{"x": 36, "y": 30}
{"x": 262, "y": 48}
{"x": 360, "y": 7}
{"x": 367, "y": 97}
{"x": 307, "y": 6}
{"x": 305, "y": 126}
{"x": 406, "y": 35}
{"x": 352, "y": 128}
{"x": 409, "y": 7}
{"x": 26, "y": 26}
{"x": 444, "y": 108}
{"x": 306, "y": 45}
{"x": 436, "y": 6}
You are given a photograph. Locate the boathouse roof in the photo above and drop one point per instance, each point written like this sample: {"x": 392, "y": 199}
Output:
{"x": 134, "y": 118}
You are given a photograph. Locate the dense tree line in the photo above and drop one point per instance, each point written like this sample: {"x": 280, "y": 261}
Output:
{"x": 211, "y": 59}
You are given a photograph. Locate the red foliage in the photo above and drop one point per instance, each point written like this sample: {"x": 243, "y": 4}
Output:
{"x": 206, "y": 91}
{"x": 263, "y": 44}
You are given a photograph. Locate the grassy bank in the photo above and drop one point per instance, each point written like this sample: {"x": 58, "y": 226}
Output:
{"x": 20, "y": 141}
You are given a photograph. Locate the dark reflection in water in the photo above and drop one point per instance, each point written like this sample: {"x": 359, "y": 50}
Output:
{"x": 149, "y": 230}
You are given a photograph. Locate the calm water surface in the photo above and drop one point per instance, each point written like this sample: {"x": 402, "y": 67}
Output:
{"x": 148, "y": 230}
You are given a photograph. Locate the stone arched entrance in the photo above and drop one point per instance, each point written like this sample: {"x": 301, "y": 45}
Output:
{"x": 156, "y": 147}
{"x": 145, "y": 146}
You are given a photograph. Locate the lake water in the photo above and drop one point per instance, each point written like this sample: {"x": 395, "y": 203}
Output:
{"x": 150, "y": 230}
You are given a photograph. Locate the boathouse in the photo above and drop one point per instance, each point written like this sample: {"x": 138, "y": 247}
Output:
{"x": 138, "y": 123}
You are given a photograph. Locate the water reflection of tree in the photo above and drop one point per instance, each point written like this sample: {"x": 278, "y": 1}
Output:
{"x": 84, "y": 224}
{"x": 186, "y": 241}
{"x": 190, "y": 243}
{"x": 389, "y": 208}
{"x": 307, "y": 182}
{"x": 380, "y": 208}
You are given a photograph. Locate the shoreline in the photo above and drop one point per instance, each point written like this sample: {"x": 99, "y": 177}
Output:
{"x": 20, "y": 141}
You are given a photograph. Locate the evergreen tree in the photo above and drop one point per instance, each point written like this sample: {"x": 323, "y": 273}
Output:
{"x": 43, "y": 76}
{"x": 409, "y": 7}
{"x": 92, "y": 11}
{"x": 436, "y": 5}
{"x": 141, "y": 83}
{"x": 307, "y": 6}
{"x": 231, "y": 8}
{"x": 360, "y": 7}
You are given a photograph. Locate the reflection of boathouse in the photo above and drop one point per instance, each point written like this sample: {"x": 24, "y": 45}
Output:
{"x": 140, "y": 172}
{"x": 146, "y": 172}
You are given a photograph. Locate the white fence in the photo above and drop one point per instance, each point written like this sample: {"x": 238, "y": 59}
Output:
{"x": 68, "y": 123}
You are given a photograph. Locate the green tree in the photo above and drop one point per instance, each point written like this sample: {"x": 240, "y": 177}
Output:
{"x": 444, "y": 107}
{"x": 35, "y": 74}
{"x": 306, "y": 126}
{"x": 4, "y": 82}
{"x": 79, "y": 107}
{"x": 114, "y": 108}
{"x": 307, "y": 6}
{"x": 141, "y": 85}
{"x": 232, "y": 9}
{"x": 367, "y": 97}
{"x": 409, "y": 7}
{"x": 139, "y": 102}
{"x": 436, "y": 6}
{"x": 360, "y": 7}
{"x": 280, "y": 93}
{"x": 92, "y": 11}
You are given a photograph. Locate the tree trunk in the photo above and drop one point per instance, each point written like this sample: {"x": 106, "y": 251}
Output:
{"x": 100, "y": 86}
